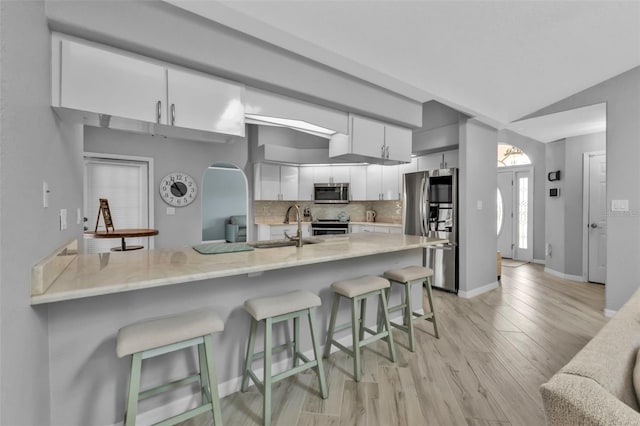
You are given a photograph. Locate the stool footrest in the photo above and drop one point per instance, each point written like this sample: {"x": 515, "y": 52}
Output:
{"x": 169, "y": 386}
{"x": 277, "y": 349}
{"x": 373, "y": 338}
{"x": 294, "y": 370}
{"x": 428, "y": 316}
{"x": 342, "y": 347}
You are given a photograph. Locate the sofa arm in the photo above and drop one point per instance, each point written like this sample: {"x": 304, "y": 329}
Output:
{"x": 575, "y": 400}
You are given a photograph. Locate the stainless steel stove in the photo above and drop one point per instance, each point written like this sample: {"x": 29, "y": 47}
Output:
{"x": 329, "y": 227}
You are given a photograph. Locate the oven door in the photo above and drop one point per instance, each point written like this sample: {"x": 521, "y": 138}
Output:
{"x": 327, "y": 231}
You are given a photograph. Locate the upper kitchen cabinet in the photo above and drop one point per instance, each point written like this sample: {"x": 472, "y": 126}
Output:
{"x": 202, "y": 102}
{"x": 101, "y": 86}
{"x": 373, "y": 142}
{"x": 274, "y": 182}
{"x": 440, "y": 160}
{"x": 382, "y": 182}
{"x": 96, "y": 80}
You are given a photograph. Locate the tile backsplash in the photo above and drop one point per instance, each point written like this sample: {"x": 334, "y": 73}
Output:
{"x": 274, "y": 211}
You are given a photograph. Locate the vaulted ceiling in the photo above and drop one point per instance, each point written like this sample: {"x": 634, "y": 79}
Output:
{"x": 498, "y": 60}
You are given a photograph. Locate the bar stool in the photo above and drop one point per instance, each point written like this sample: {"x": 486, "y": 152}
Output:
{"x": 358, "y": 290}
{"x": 147, "y": 339}
{"x": 407, "y": 277}
{"x": 274, "y": 309}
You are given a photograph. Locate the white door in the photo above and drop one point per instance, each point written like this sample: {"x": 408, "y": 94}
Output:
{"x": 597, "y": 218}
{"x": 126, "y": 185}
{"x": 505, "y": 214}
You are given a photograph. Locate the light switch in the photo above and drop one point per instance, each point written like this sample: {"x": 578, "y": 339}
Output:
{"x": 63, "y": 219}
{"x": 171, "y": 211}
{"x": 479, "y": 205}
{"x": 619, "y": 205}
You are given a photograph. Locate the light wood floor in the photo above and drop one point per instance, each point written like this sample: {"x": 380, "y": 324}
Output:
{"x": 494, "y": 352}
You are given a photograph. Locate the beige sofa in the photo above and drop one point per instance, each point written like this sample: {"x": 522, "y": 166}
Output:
{"x": 596, "y": 386}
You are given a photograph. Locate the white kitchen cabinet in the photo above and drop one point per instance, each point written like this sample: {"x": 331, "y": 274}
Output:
{"x": 331, "y": 174}
{"x": 382, "y": 229}
{"x": 199, "y": 101}
{"x": 97, "y": 80}
{"x": 99, "y": 85}
{"x": 358, "y": 184}
{"x": 372, "y": 141}
{"x": 446, "y": 159}
{"x": 382, "y": 182}
{"x": 274, "y": 182}
{"x": 305, "y": 183}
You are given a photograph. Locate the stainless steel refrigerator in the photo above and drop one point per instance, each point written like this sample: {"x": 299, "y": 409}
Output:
{"x": 430, "y": 208}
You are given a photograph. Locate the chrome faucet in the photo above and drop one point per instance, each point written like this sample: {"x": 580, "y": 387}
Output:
{"x": 298, "y": 237}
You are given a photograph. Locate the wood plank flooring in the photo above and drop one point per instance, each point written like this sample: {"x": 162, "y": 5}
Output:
{"x": 494, "y": 352}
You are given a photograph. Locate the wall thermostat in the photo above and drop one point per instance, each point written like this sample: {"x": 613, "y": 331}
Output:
{"x": 553, "y": 176}
{"x": 554, "y": 192}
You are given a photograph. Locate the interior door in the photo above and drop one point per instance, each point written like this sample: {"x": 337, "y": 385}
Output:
{"x": 597, "y": 218}
{"x": 523, "y": 214}
{"x": 505, "y": 214}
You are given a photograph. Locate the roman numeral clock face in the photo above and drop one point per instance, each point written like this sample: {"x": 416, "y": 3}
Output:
{"x": 178, "y": 189}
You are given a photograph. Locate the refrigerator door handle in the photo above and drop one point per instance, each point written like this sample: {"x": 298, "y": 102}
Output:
{"x": 423, "y": 213}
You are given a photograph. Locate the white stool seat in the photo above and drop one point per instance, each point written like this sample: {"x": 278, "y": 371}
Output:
{"x": 358, "y": 286}
{"x": 410, "y": 273}
{"x": 158, "y": 332}
{"x": 272, "y": 306}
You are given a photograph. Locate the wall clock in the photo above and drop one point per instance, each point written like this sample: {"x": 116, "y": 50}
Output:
{"x": 178, "y": 189}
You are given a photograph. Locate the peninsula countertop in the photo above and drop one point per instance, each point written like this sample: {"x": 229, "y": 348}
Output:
{"x": 108, "y": 273}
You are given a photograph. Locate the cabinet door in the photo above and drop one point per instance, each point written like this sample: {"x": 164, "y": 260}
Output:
{"x": 395, "y": 230}
{"x": 358, "y": 184}
{"x": 429, "y": 162}
{"x": 451, "y": 158}
{"x": 381, "y": 229}
{"x": 340, "y": 174}
{"x": 374, "y": 181}
{"x": 269, "y": 181}
{"x": 367, "y": 137}
{"x": 322, "y": 174}
{"x": 305, "y": 184}
{"x": 97, "y": 80}
{"x": 288, "y": 183}
{"x": 398, "y": 140}
{"x": 205, "y": 103}
{"x": 390, "y": 183}
{"x": 354, "y": 228}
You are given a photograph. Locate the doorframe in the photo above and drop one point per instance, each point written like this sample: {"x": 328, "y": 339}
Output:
{"x": 150, "y": 181}
{"x": 585, "y": 211}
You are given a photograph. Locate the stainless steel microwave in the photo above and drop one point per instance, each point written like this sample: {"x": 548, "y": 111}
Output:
{"x": 331, "y": 193}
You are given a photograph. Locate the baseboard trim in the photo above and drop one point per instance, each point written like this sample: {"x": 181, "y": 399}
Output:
{"x": 477, "y": 291}
{"x": 578, "y": 278}
{"x": 539, "y": 261}
{"x": 229, "y": 387}
{"x": 609, "y": 313}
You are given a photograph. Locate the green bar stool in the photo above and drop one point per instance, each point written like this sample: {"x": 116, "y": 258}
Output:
{"x": 274, "y": 309}
{"x": 407, "y": 277}
{"x": 357, "y": 290}
{"x": 150, "y": 338}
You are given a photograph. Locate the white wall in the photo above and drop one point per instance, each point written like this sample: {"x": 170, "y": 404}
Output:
{"x": 555, "y": 208}
{"x": 478, "y": 180}
{"x": 34, "y": 146}
{"x": 623, "y": 177}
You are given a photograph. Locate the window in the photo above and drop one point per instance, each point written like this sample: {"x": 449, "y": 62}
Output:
{"x": 523, "y": 212}
{"x": 509, "y": 155}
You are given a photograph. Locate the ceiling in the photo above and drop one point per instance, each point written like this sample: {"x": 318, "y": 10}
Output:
{"x": 496, "y": 60}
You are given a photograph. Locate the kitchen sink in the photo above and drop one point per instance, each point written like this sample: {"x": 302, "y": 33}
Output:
{"x": 282, "y": 243}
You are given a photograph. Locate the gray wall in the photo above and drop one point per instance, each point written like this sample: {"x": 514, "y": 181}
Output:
{"x": 535, "y": 150}
{"x": 141, "y": 27}
{"x": 478, "y": 180}
{"x": 34, "y": 147}
{"x": 622, "y": 95}
{"x": 172, "y": 155}
{"x": 555, "y": 208}
{"x": 224, "y": 194}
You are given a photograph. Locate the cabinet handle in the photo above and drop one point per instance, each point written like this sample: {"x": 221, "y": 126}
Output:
{"x": 158, "y": 111}
{"x": 382, "y": 151}
{"x": 173, "y": 114}
{"x": 386, "y": 152}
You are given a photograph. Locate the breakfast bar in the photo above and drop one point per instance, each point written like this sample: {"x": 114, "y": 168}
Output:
{"x": 96, "y": 295}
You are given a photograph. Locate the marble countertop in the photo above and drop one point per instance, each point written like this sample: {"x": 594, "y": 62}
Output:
{"x": 352, "y": 222}
{"x": 107, "y": 273}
